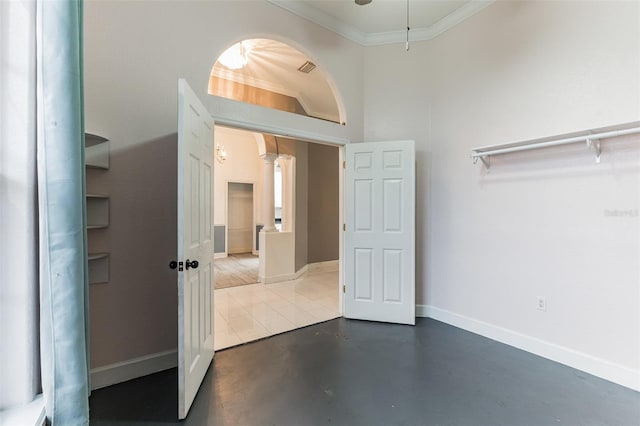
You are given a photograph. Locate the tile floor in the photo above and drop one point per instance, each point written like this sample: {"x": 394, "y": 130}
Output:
{"x": 252, "y": 312}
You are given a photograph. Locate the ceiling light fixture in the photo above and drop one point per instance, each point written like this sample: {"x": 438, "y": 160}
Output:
{"x": 362, "y": 2}
{"x": 407, "y": 45}
{"x": 235, "y": 57}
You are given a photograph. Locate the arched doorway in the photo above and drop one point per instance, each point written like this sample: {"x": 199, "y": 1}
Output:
{"x": 263, "y": 72}
{"x": 275, "y": 75}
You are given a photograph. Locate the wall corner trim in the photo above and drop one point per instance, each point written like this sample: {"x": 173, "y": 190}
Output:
{"x": 598, "y": 367}
{"x": 133, "y": 368}
{"x": 326, "y": 266}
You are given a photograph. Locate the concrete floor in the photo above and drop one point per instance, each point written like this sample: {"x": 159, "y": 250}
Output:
{"x": 345, "y": 372}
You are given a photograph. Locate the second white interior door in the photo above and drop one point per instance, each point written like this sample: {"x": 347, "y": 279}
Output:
{"x": 380, "y": 232}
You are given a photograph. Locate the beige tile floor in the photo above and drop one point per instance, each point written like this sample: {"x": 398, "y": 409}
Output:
{"x": 252, "y": 312}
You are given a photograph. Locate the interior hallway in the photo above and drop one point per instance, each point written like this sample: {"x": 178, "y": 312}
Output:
{"x": 346, "y": 372}
{"x": 250, "y": 312}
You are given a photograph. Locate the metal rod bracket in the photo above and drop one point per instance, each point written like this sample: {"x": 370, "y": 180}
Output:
{"x": 594, "y": 144}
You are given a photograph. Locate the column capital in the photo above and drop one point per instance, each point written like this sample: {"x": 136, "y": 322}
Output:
{"x": 269, "y": 157}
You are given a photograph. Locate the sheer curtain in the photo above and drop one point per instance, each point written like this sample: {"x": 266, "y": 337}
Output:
{"x": 19, "y": 351}
{"x": 51, "y": 114}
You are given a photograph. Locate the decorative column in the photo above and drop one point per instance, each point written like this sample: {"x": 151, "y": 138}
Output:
{"x": 286, "y": 166}
{"x": 268, "y": 196}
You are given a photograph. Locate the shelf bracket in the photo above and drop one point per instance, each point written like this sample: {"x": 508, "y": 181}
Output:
{"x": 594, "y": 144}
{"x": 485, "y": 160}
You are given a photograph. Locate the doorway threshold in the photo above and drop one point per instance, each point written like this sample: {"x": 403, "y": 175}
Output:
{"x": 252, "y": 312}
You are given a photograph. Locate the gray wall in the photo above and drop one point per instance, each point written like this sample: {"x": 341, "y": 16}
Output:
{"x": 301, "y": 200}
{"x": 323, "y": 203}
{"x": 219, "y": 237}
{"x": 137, "y": 309}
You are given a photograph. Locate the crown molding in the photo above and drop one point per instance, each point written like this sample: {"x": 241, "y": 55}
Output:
{"x": 382, "y": 38}
{"x": 329, "y": 22}
{"x": 454, "y": 18}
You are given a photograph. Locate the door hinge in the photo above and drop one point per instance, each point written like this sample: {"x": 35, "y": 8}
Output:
{"x": 344, "y": 288}
{"x": 344, "y": 226}
{"x": 344, "y": 164}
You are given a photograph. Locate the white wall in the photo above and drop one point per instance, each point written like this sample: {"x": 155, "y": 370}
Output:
{"x": 536, "y": 225}
{"x": 135, "y": 51}
{"x": 242, "y": 165}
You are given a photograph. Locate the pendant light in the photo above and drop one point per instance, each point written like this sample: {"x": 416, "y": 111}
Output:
{"x": 407, "y": 44}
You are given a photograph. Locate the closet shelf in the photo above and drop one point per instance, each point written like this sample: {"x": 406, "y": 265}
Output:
{"x": 91, "y": 139}
{"x": 96, "y": 151}
{"x": 97, "y": 211}
{"x": 590, "y": 137}
{"x": 98, "y": 268}
{"x": 97, "y": 205}
{"x": 96, "y": 256}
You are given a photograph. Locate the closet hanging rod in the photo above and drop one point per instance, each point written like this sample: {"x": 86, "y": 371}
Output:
{"x": 497, "y": 149}
{"x": 591, "y": 137}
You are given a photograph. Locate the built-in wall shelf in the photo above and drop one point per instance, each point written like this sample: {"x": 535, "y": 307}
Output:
{"x": 591, "y": 138}
{"x": 97, "y": 211}
{"x": 97, "y": 157}
{"x": 96, "y": 151}
{"x": 98, "y": 268}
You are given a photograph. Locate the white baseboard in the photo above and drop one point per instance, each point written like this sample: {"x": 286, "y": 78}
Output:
{"x": 302, "y": 271}
{"x": 277, "y": 278}
{"x": 599, "y": 367}
{"x": 219, "y": 255}
{"x": 133, "y": 368}
{"x": 328, "y": 266}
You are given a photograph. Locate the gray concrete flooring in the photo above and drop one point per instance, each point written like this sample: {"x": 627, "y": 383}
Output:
{"x": 345, "y": 372}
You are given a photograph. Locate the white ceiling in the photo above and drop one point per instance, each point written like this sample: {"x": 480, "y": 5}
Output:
{"x": 385, "y": 21}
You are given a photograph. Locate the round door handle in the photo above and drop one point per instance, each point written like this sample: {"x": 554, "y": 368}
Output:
{"x": 191, "y": 264}
{"x": 173, "y": 264}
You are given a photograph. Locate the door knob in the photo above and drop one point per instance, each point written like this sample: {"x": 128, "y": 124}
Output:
{"x": 173, "y": 265}
{"x": 191, "y": 264}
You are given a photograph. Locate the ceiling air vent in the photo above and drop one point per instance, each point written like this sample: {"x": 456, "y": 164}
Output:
{"x": 307, "y": 67}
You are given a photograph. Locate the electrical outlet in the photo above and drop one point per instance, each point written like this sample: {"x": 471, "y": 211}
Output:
{"x": 542, "y": 303}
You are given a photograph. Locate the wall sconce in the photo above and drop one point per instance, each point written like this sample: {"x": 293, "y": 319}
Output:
{"x": 221, "y": 154}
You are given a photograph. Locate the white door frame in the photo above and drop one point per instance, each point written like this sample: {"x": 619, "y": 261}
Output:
{"x": 224, "y": 117}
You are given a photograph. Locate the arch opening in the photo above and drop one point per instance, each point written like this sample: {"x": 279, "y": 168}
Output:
{"x": 275, "y": 75}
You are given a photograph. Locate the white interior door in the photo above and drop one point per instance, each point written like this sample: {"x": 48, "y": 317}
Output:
{"x": 195, "y": 243}
{"x": 380, "y": 232}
